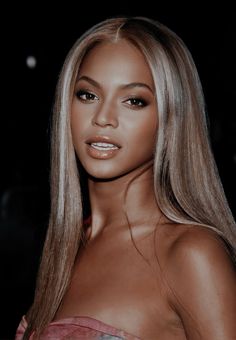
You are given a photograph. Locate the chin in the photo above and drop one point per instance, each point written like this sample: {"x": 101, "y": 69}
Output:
{"x": 108, "y": 171}
{"x": 104, "y": 172}
{"x": 103, "y": 175}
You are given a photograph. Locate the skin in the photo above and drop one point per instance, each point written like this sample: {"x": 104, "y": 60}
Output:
{"x": 111, "y": 281}
{"x": 126, "y": 113}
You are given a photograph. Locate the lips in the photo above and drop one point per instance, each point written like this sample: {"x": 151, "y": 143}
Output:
{"x": 103, "y": 142}
{"x": 102, "y": 147}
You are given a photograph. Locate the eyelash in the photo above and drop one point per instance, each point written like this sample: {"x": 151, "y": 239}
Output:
{"x": 134, "y": 101}
{"x": 87, "y": 94}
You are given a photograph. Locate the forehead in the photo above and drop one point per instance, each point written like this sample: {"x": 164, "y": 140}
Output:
{"x": 120, "y": 59}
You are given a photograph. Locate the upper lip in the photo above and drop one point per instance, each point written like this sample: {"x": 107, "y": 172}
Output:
{"x": 102, "y": 139}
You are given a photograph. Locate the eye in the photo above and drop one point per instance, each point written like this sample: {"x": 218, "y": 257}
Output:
{"x": 85, "y": 96}
{"x": 138, "y": 102}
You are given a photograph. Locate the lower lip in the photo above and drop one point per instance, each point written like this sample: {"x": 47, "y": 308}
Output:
{"x": 101, "y": 154}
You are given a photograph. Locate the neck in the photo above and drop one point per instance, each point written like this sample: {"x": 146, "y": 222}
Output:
{"x": 131, "y": 194}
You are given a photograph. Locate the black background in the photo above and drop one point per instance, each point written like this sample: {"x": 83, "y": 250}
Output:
{"x": 27, "y": 99}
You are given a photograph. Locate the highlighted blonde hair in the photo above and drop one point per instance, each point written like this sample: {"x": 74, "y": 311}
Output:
{"x": 187, "y": 184}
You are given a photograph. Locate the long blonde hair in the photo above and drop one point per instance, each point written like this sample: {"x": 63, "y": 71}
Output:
{"x": 187, "y": 184}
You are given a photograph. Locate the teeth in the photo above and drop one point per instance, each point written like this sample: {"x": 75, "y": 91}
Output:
{"x": 104, "y": 146}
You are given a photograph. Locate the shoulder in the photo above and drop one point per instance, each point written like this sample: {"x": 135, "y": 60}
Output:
{"x": 201, "y": 276}
{"x": 179, "y": 240}
{"x": 197, "y": 251}
{"x": 199, "y": 244}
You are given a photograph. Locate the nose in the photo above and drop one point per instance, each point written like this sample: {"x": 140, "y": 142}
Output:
{"x": 105, "y": 116}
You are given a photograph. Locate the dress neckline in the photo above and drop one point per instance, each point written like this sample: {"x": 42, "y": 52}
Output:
{"x": 93, "y": 323}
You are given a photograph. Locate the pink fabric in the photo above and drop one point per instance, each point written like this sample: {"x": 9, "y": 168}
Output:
{"x": 79, "y": 327}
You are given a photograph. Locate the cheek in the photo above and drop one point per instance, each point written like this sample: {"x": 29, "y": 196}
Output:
{"x": 145, "y": 132}
{"x": 80, "y": 119}
{"x": 77, "y": 127}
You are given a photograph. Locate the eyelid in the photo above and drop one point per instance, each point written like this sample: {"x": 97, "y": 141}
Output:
{"x": 86, "y": 90}
{"x": 138, "y": 98}
{"x": 82, "y": 91}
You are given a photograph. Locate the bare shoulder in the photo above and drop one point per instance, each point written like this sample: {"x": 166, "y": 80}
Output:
{"x": 197, "y": 243}
{"x": 201, "y": 275}
{"x": 197, "y": 247}
{"x": 194, "y": 257}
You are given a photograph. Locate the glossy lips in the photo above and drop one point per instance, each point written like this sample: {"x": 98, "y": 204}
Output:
{"x": 102, "y": 147}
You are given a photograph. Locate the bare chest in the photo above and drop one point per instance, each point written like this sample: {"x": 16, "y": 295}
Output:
{"x": 119, "y": 286}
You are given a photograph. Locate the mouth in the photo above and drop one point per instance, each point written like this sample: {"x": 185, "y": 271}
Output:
{"x": 103, "y": 143}
{"x": 102, "y": 147}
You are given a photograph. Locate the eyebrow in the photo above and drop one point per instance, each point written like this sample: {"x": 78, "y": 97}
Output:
{"x": 125, "y": 86}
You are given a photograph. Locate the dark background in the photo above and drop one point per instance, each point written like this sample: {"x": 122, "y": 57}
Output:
{"x": 27, "y": 99}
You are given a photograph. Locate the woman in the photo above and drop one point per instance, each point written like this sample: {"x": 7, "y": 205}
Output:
{"x": 156, "y": 259}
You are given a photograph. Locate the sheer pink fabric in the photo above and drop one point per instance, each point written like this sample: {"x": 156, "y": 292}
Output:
{"x": 79, "y": 327}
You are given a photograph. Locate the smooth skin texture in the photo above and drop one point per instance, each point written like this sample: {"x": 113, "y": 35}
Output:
{"x": 121, "y": 106}
{"x": 115, "y": 97}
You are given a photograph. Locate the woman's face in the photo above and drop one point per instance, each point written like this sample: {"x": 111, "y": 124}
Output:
{"x": 114, "y": 113}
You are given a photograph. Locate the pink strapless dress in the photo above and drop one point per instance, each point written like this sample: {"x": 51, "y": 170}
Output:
{"x": 78, "y": 327}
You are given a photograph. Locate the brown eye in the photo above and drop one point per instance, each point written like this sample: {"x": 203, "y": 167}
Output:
{"x": 86, "y": 96}
{"x": 137, "y": 102}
